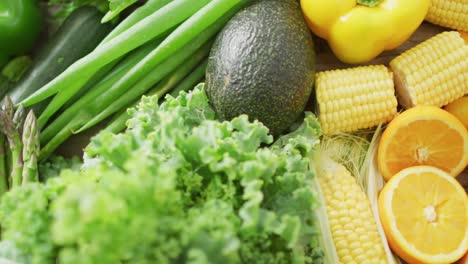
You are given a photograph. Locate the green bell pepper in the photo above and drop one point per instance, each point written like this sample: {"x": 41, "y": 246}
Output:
{"x": 20, "y": 25}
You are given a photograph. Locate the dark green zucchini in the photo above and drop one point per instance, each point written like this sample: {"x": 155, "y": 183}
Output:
{"x": 5, "y": 85}
{"x": 79, "y": 34}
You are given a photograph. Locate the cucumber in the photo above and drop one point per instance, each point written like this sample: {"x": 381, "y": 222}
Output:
{"x": 5, "y": 85}
{"x": 79, "y": 34}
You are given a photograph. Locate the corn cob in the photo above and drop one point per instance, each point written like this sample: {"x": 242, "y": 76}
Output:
{"x": 356, "y": 98}
{"x": 434, "y": 72}
{"x": 449, "y": 13}
{"x": 353, "y": 227}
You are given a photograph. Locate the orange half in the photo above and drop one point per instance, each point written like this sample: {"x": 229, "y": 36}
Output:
{"x": 459, "y": 108}
{"x": 424, "y": 213}
{"x": 423, "y": 135}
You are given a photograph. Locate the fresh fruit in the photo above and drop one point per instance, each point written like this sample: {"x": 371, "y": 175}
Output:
{"x": 459, "y": 108}
{"x": 423, "y": 135}
{"x": 424, "y": 212}
{"x": 262, "y": 64}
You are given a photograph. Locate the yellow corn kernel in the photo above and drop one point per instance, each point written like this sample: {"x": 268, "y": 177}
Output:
{"x": 449, "y": 13}
{"x": 355, "y": 98}
{"x": 353, "y": 227}
{"x": 435, "y": 72}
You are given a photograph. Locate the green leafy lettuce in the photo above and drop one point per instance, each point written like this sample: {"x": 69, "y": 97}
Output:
{"x": 55, "y": 164}
{"x": 177, "y": 187}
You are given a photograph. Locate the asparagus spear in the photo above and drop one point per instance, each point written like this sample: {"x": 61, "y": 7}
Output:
{"x": 30, "y": 148}
{"x": 18, "y": 118}
{"x": 3, "y": 169}
{"x": 8, "y": 128}
{"x": 8, "y": 108}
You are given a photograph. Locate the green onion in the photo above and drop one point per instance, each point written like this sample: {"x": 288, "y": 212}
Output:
{"x": 114, "y": 97}
{"x": 68, "y": 115}
{"x": 196, "y": 30}
{"x": 118, "y": 122}
{"x": 192, "y": 80}
{"x": 136, "y": 16}
{"x": 72, "y": 79}
{"x": 185, "y": 63}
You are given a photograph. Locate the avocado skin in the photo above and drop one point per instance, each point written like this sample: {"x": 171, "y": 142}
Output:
{"x": 262, "y": 64}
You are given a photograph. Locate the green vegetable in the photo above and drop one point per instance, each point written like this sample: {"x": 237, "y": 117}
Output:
{"x": 190, "y": 81}
{"x": 3, "y": 167}
{"x": 112, "y": 7}
{"x": 97, "y": 100}
{"x": 118, "y": 122}
{"x": 5, "y": 85}
{"x": 115, "y": 7}
{"x": 20, "y": 25}
{"x": 62, "y": 9}
{"x": 176, "y": 187}
{"x": 30, "y": 149}
{"x": 185, "y": 61}
{"x": 6, "y": 108}
{"x": 136, "y": 16}
{"x": 111, "y": 100}
{"x": 10, "y": 129}
{"x": 16, "y": 68}
{"x": 262, "y": 64}
{"x": 72, "y": 79}
{"x": 101, "y": 82}
{"x": 77, "y": 36}
{"x": 18, "y": 118}
{"x": 66, "y": 118}
{"x": 203, "y": 24}
{"x": 52, "y": 167}
{"x": 24, "y": 214}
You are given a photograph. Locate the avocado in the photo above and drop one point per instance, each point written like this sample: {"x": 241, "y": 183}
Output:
{"x": 262, "y": 64}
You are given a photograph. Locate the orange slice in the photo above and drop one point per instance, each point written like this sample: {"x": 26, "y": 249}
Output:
{"x": 424, "y": 214}
{"x": 459, "y": 108}
{"x": 423, "y": 135}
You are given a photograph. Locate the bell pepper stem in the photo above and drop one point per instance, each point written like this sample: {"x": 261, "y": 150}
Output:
{"x": 369, "y": 3}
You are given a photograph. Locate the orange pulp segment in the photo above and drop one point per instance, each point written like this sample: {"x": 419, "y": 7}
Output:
{"x": 423, "y": 135}
{"x": 424, "y": 213}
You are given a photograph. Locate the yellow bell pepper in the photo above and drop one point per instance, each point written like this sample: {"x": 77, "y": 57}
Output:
{"x": 359, "y": 30}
